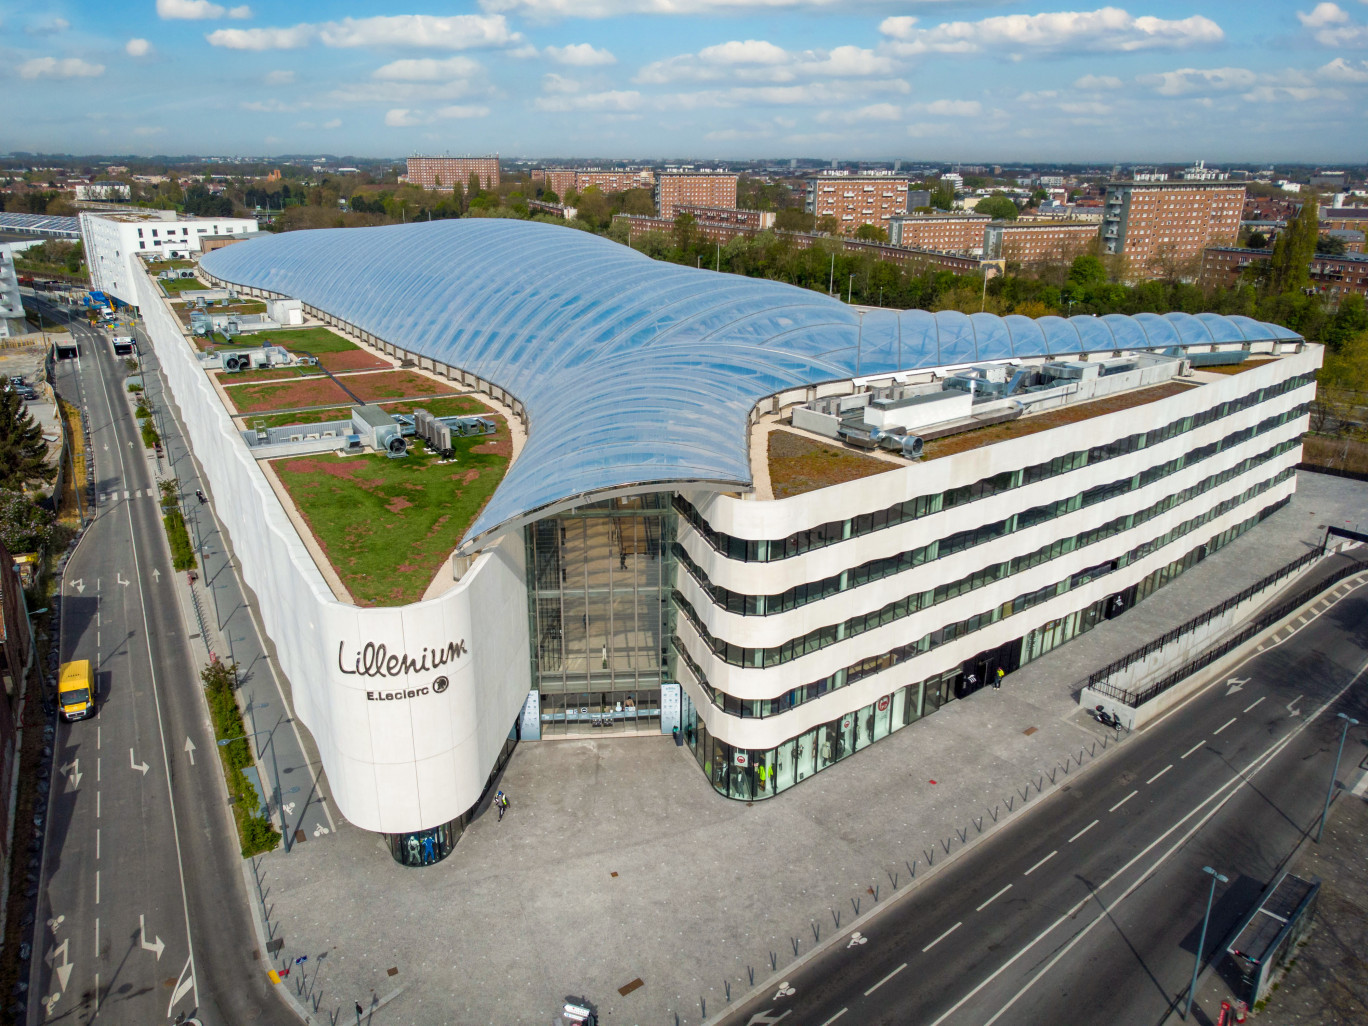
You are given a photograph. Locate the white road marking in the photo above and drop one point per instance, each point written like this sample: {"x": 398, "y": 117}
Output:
{"x": 1041, "y": 862}
{"x": 1223, "y": 726}
{"x": 97, "y": 804}
{"x": 98, "y": 739}
{"x": 894, "y": 973}
{"x": 97, "y": 842}
{"x": 993, "y": 898}
{"x": 1159, "y": 774}
{"x": 97, "y": 886}
{"x": 97, "y": 936}
{"x": 1123, "y": 801}
{"x": 1231, "y": 786}
{"x": 1199, "y": 744}
{"x": 835, "y": 1017}
{"x": 1256, "y": 702}
{"x": 942, "y": 937}
{"x": 97, "y": 769}
{"x": 1083, "y": 831}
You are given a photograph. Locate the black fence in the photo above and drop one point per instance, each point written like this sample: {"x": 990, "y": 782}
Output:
{"x": 1135, "y": 699}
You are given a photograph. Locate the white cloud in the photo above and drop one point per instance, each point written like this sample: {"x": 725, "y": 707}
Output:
{"x": 1198, "y": 80}
{"x": 1341, "y": 70}
{"x": 279, "y": 77}
{"x": 405, "y": 117}
{"x": 334, "y": 123}
{"x": 428, "y": 69}
{"x": 399, "y": 93}
{"x": 1108, "y": 29}
{"x": 1331, "y": 25}
{"x": 267, "y": 106}
{"x": 553, "y": 83}
{"x": 49, "y": 28}
{"x": 1092, "y": 82}
{"x": 409, "y": 31}
{"x": 612, "y": 101}
{"x": 66, "y": 67}
{"x": 812, "y": 94}
{"x": 580, "y": 55}
{"x": 952, "y": 108}
{"x": 198, "y": 10}
{"x": 547, "y": 10}
{"x": 137, "y": 48}
{"x": 756, "y": 60}
{"x": 873, "y": 112}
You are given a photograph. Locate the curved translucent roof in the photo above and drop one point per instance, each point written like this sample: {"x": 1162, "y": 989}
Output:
{"x": 633, "y": 372}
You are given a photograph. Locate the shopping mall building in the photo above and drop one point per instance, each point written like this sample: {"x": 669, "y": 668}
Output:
{"x": 1009, "y": 483}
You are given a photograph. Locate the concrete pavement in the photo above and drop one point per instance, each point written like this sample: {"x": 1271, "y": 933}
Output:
{"x": 618, "y": 863}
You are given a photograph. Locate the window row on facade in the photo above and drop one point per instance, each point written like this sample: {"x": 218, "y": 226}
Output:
{"x": 878, "y": 569}
{"x": 816, "y": 640}
{"x": 748, "y": 774}
{"x": 770, "y": 550}
{"x": 737, "y": 655}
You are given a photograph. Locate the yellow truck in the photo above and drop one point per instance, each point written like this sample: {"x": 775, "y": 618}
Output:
{"x": 76, "y": 690}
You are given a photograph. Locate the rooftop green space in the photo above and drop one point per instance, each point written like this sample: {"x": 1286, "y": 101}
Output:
{"x": 387, "y": 525}
{"x": 443, "y": 406}
{"x": 332, "y": 350}
{"x": 157, "y": 266}
{"x": 175, "y": 286}
{"x": 798, "y": 464}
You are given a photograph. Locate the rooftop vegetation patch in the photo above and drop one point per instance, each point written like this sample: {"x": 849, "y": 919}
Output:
{"x": 798, "y": 464}
{"x": 287, "y": 395}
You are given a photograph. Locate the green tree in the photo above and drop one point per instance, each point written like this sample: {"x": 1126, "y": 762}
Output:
{"x": 685, "y": 232}
{"x": 828, "y": 225}
{"x": 593, "y": 209}
{"x": 1330, "y": 245}
{"x": 1257, "y": 240}
{"x": 23, "y": 453}
{"x": 871, "y": 233}
{"x": 1087, "y": 271}
{"x": 943, "y": 196}
{"x": 638, "y": 202}
{"x": 25, "y": 526}
{"x": 547, "y": 196}
{"x": 473, "y": 189}
{"x": 1349, "y": 321}
{"x": 794, "y": 220}
{"x": 1296, "y": 244}
{"x": 998, "y": 207}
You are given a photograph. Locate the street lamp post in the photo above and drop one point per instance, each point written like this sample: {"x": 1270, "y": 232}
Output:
{"x": 850, "y": 289}
{"x": 1201, "y": 943}
{"x": 831, "y": 278}
{"x": 1349, "y": 721}
{"x": 859, "y": 342}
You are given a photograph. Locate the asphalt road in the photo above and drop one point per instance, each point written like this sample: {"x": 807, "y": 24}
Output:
{"x": 1089, "y": 908}
{"x": 143, "y": 912}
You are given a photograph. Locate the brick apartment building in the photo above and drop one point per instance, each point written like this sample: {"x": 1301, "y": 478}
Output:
{"x": 1331, "y": 276}
{"x": 757, "y": 220}
{"x": 1354, "y": 219}
{"x": 855, "y": 200}
{"x": 1149, "y": 222}
{"x": 448, "y": 172}
{"x": 561, "y": 180}
{"x": 1028, "y": 242}
{"x": 949, "y": 233}
{"x": 703, "y": 190}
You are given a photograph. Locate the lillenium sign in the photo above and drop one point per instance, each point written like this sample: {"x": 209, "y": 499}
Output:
{"x": 377, "y": 661}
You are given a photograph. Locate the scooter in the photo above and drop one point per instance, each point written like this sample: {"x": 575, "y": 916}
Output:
{"x": 1105, "y": 718}
{"x": 199, "y": 494}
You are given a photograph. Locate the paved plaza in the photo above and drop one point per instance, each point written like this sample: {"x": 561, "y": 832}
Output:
{"x": 617, "y": 863}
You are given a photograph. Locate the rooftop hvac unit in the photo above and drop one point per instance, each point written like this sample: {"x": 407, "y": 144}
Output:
{"x": 235, "y": 362}
{"x": 396, "y": 447}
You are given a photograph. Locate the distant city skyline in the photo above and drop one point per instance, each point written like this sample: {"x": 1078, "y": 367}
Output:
{"x": 918, "y": 80}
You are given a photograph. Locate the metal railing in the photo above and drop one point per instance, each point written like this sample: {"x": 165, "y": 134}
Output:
{"x": 1135, "y": 699}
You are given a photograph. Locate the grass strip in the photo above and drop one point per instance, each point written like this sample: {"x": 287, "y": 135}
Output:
{"x": 255, "y": 833}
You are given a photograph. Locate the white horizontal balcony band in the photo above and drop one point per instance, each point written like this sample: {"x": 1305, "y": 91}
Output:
{"x": 776, "y": 628}
{"x": 772, "y": 577}
{"x": 782, "y": 517}
{"x": 772, "y": 681}
{"x": 760, "y": 733}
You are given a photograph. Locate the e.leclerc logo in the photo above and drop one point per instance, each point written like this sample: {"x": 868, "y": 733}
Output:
{"x": 377, "y": 661}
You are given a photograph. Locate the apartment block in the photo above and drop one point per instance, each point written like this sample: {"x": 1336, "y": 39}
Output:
{"x": 1332, "y": 276}
{"x": 1028, "y": 242}
{"x": 1150, "y": 222}
{"x": 674, "y": 191}
{"x": 855, "y": 201}
{"x": 561, "y": 180}
{"x": 448, "y": 172}
{"x": 949, "y": 233}
{"x": 758, "y": 220}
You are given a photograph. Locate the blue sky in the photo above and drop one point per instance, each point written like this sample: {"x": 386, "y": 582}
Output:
{"x": 1234, "y": 80}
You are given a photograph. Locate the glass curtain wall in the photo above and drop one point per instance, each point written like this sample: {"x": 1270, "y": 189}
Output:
{"x": 600, "y": 577}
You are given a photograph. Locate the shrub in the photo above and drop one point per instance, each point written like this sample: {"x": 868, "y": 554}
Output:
{"x": 149, "y": 434}
{"x": 135, "y": 388}
{"x": 182, "y": 553}
{"x": 256, "y": 834}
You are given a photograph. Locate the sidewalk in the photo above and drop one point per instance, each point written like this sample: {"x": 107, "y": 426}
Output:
{"x": 617, "y": 863}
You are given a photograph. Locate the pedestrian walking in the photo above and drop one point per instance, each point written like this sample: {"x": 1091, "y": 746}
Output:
{"x": 501, "y": 803}
{"x": 997, "y": 679}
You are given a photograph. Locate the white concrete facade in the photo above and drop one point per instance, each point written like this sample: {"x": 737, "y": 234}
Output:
{"x": 775, "y": 520}
{"x": 409, "y": 706}
{"x": 116, "y": 241}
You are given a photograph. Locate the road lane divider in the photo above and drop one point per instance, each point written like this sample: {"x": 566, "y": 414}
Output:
{"x": 900, "y": 968}
{"x": 1159, "y": 774}
{"x": 942, "y": 937}
{"x": 1079, "y": 834}
{"x": 1250, "y": 708}
{"x": 1041, "y": 862}
{"x": 1123, "y": 801}
{"x": 998, "y": 895}
{"x": 1199, "y": 744}
{"x": 1223, "y": 726}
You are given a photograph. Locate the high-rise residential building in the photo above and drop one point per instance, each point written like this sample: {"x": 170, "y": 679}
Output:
{"x": 449, "y": 172}
{"x": 561, "y": 180}
{"x": 1038, "y": 242}
{"x": 949, "y": 233}
{"x": 703, "y": 190}
{"x": 1150, "y": 223}
{"x": 855, "y": 200}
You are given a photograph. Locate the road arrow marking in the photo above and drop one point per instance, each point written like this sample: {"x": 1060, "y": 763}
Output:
{"x": 764, "y": 1018}
{"x": 1235, "y": 684}
{"x": 1290, "y": 710}
{"x": 79, "y": 585}
{"x": 156, "y": 945}
{"x": 190, "y": 750}
{"x": 64, "y": 970}
{"x": 73, "y": 769}
{"x": 140, "y": 767}
{"x": 118, "y": 576}
{"x": 156, "y": 574}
